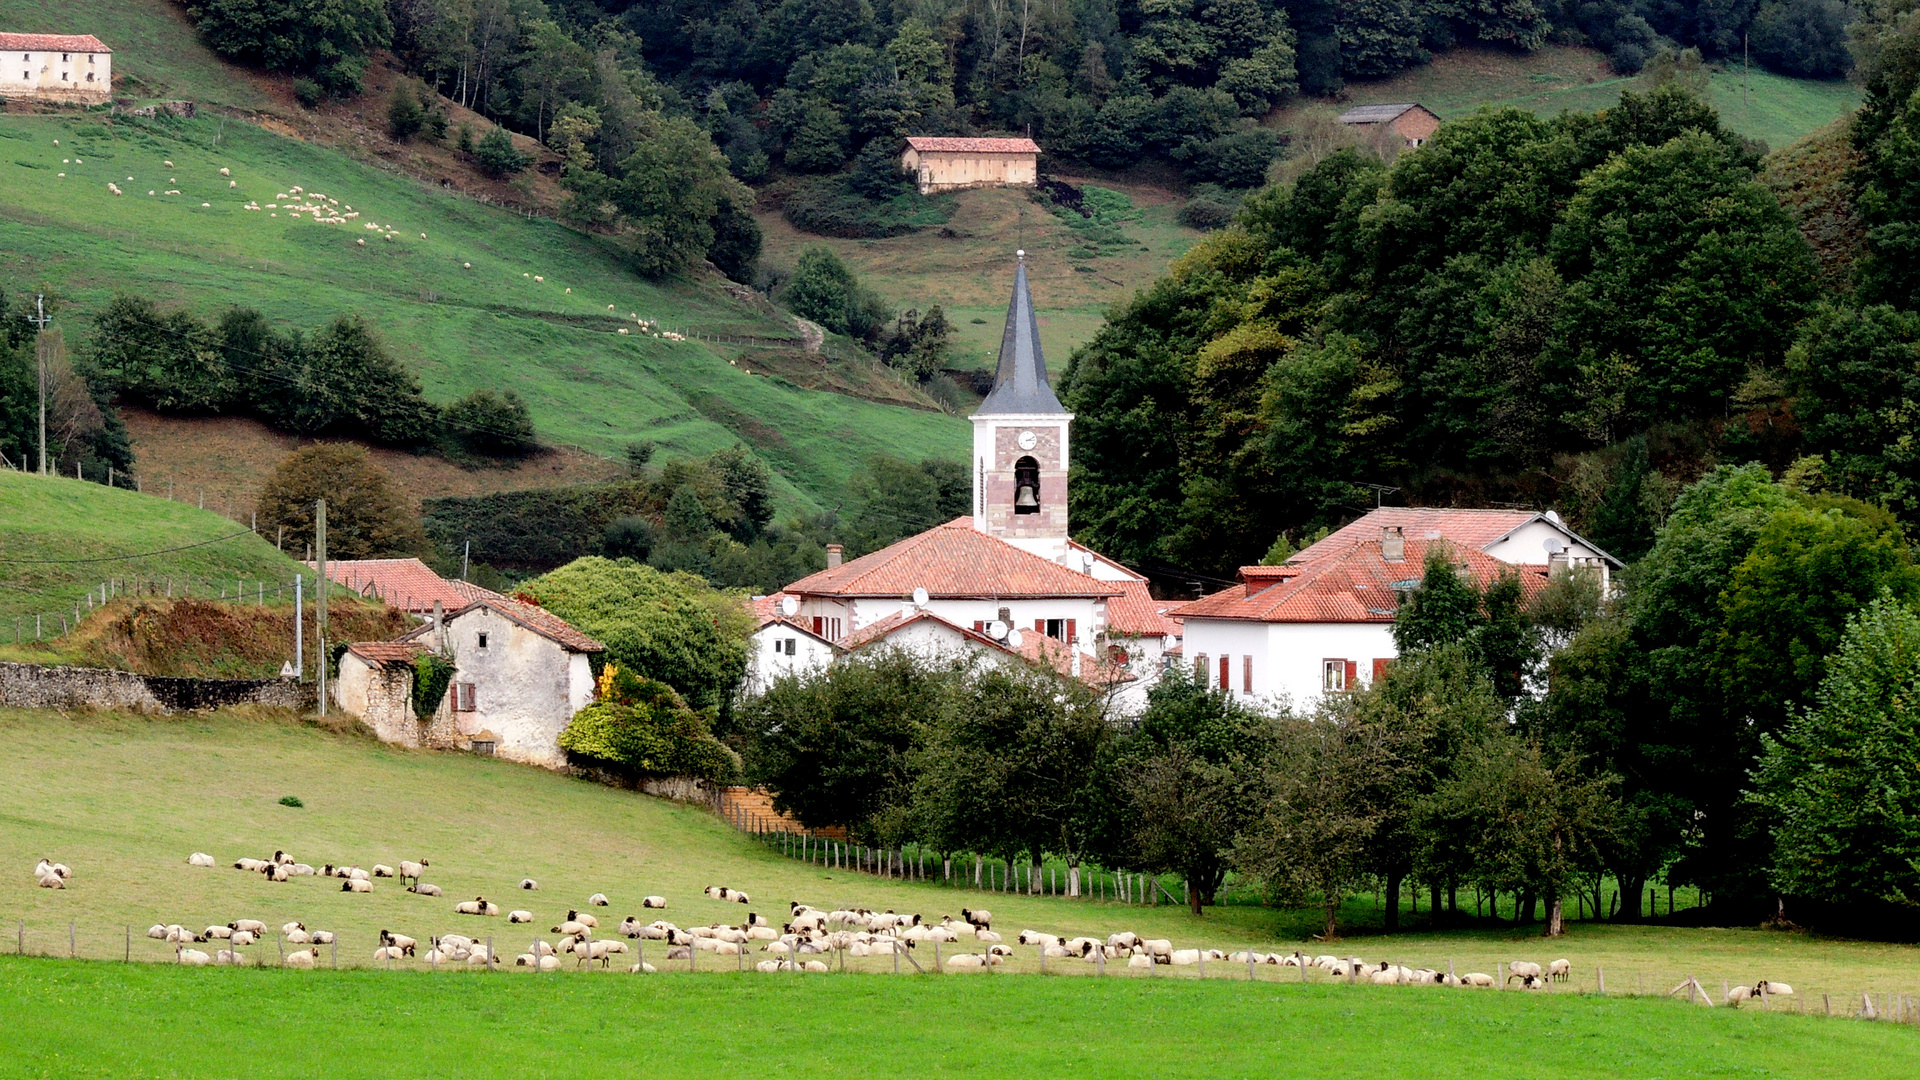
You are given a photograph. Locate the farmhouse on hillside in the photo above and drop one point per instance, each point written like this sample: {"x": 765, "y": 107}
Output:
{"x": 941, "y": 163}
{"x": 1322, "y": 623}
{"x": 521, "y": 672}
{"x": 1005, "y": 582}
{"x": 1412, "y": 122}
{"x": 74, "y": 68}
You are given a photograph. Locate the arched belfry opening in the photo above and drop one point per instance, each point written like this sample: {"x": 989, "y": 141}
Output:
{"x": 1026, "y": 486}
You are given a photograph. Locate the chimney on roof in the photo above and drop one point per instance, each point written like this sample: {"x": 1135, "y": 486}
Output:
{"x": 1393, "y": 544}
{"x": 834, "y": 552}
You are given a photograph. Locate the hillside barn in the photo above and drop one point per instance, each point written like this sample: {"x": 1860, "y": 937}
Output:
{"x": 75, "y": 68}
{"x": 939, "y": 163}
{"x": 1412, "y": 122}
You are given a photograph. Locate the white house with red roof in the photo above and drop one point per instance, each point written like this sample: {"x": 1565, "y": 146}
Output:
{"x": 1006, "y": 579}
{"x": 1323, "y": 622}
{"x": 56, "y": 67}
{"x": 782, "y": 646}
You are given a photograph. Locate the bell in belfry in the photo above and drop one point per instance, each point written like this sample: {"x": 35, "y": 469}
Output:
{"x": 1024, "y": 501}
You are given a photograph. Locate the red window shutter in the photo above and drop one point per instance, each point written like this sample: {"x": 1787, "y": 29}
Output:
{"x": 1380, "y": 667}
{"x": 819, "y": 624}
{"x": 1070, "y": 630}
{"x": 979, "y": 626}
{"x": 1039, "y": 626}
{"x": 1246, "y": 680}
{"x": 453, "y": 697}
{"x": 1226, "y": 673}
{"x": 1353, "y": 667}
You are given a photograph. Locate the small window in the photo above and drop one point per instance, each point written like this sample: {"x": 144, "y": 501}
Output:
{"x": 1053, "y": 628}
{"x": 63, "y": 76}
{"x": 463, "y": 702}
{"x": 1333, "y": 676}
{"x": 64, "y": 57}
{"x": 484, "y": 747}
{"x": 1226, "y": 673}
{"x": 793, "y": 646}
{"x": 89, "y": 76}
{"x": 1200, "y": 669}
{"x": 483, "y": 640}
{"x": 1246, "y": 673}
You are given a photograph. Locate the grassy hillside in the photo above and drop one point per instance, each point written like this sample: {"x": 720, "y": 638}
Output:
{"x": 124, "y": 800}
{"x": 1758, "y": 104}
{"x": 967, "y": 267}
{"x": 65, "y": 519}
{"x": 109, "y": 1020}
{"x": 451, "y": 286}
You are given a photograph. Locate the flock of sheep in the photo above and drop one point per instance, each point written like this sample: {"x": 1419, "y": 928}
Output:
{"x": 808, "y": 939}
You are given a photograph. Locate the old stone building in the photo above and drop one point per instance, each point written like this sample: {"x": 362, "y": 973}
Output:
{"x": 940, "y": 163}
{"x": 1409, "y": 122}
{"x": 75, "y": 68}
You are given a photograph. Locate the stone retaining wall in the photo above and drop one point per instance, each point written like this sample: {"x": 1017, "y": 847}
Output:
{"x": 31, "y": 686}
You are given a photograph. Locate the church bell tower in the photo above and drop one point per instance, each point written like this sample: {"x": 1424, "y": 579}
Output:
{"x": 1020, "y": 440}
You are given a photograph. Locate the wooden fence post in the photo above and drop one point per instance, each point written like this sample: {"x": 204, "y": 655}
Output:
{"x": 1600, "y": 975}
{"x": 128, "y": 958}
{"x": 72, "y": 948}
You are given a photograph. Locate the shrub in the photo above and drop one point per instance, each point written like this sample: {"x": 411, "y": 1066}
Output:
{"x": 828, "y": 206}
{"x": 824, "y": 290}
{"x": 736, "y": 242}
{"x": 432, "y": 674}
{"x": 630, "y": 537}
{"x": 641, "y": 727}
{"x": 291, "y": 800}
{"x": 1206, "y": 214}
{"x": 366, "y": 517}
{"x": 491, "y": 425}
{"x": 307, "y": 92}
{"x": 405, "y": 117}
{"x": 497, "y": 156}
{"x": 1238, "y": 160}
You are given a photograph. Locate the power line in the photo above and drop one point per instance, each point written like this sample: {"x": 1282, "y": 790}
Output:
{"x": 139, "y": 555}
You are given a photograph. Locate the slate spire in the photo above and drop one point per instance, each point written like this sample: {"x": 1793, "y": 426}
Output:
{"x": 1020, "y": 383}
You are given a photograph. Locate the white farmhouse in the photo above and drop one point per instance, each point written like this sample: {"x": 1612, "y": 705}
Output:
{"x": 1322, "y": 623}
{"x": 780, "y": 647}
{"x": 56, "y": 67}
{"x": 1007, "y": 574}
{"x": 521, "y": 673}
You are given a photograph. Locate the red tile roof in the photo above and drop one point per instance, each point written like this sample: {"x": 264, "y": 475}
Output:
{"x": 1357, "y": 586}
{"x": 953, "y": 561}
{"x": 945, "y": 144}
{"x": 473, "y": 592}
{"x": 80, "y": 43}
{"x": 382, "y": 653}
{"x": 1034, "y": 648}
{"x": 1476, "y": 529}
{"x": 1135, "y": 613}
{"x": 407, "y": 584}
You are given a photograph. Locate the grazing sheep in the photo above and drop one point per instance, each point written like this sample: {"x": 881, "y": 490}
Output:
{"x": 598, "y": 899}
{"x": 1139, "y": 960}
{"x": 200, "y": 858}
{"x": 297, "y": 937}
{"x": 571, "y": 929}
{"x": 410, "y": 871}
{"x": 658, "y": 902}
{"x": 243, "y": 938}
{"x": 519, "y": 916}
{"x": 979, "y": 920}
{"x": 1522, "y": 969}
{"x": 388, "y": 952}
{"x": 583, "y": 919}
{"x": 476, "y": 906}
{"x": 1128, "y": 939}
{"x": 1560, "y": 970}
{"x": 321, "y": 937}
{"x": 251, "y": 866}
{"x": 157, "y": 932}
{"x": 1035, "y": 937}
{"x": 194, "y": 958}
{"x": 1772, "y": 989}
{"x": 53, "y": 881}
{"x": 986, "y": 935}
{"x": 424, "y": 890}
{"x": 277, "y": 872}
{"x": 1476, "y": 979}
{"x": 254, "y": 926}
{"x": 382, "y": 871}
{"x": 1739, "y": 994}
{"x": 228, "y": 958}
{"x": 356, "y": 885}
{"x": 398, "y": 941}
{"x": 302, "y": 958}
{"x": 529, "y": 884}
{"x": 214, "y": 933}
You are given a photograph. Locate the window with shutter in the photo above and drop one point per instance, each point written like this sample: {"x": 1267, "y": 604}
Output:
{"x": 1246, "y": 675}
{"x": 1333, "y": 676}
{"x": 465, "y": 701}
{"x": 1072, "y": 634}
{"x": 1226, "y": 673}
{"x": 1200, "y": 669}
{"x": 1380, "y": 667}
{"x": 1353, "y": 673}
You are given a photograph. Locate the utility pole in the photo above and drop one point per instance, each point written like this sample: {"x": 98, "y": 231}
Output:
{"x": 40, "y": 320}
{"x": 320, "y": 597}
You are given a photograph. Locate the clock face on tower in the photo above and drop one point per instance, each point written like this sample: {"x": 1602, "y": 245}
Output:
{"x": 1028, "y": 440}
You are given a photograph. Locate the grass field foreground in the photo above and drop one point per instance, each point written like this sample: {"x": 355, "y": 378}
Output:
{"x": 104, "y": 1020}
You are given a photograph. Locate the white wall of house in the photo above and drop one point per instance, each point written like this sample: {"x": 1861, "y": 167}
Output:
{"x": 1527, "y": 545}
{"x": 1088, "y": 613}
{"x": 56, "y": 75}
{"x": 777, "y": 650}
{"x": 1288, "y": 658}
{"x": 526, "y": 687}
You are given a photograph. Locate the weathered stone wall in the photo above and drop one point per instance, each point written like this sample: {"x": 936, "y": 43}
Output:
{"x": 31, "y": 686}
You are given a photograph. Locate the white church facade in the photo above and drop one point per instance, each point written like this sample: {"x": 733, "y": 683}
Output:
{"x": 1005, "y": 581}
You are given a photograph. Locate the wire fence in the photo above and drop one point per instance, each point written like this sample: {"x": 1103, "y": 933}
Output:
{"x": 494, "y": 951}
{"x": 53, "y": 624}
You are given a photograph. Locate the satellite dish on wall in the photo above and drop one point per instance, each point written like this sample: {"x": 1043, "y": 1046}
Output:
{"x": 789, "y": 606}
{"x": 997, "y": 630}
{"x": 1554, "y": 545}
{"x": 919, "y": 598}
{"x": 1013, "y": 639}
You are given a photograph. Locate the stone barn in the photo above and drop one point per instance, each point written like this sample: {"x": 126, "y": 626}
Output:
{"x": 1412, "y": 122}
{"x": 940, "y": 163}
{"x": 75, "y": 68}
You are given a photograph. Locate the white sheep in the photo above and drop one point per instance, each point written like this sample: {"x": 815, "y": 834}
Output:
{"x": 216, "y": 933}
{"x": 200, "y": 858}
{"x": 297, "y": 937}
{"x": 302, "y": 958}
{"x": 410, "y": 871}
{"x": 388, "y": 952}
{"x": 424, "y": 889}
{"x": 979, "y": 920}
{"x": 243, "y": 938}
{"x": 519, "y": 916}
{"x": 157, "y": 932}
{"x": 52, "y": 881}
{"x": 1560, "y": 970}
{"x": 1476, "y": 979}
{"x": 583, "y": 919}
{"x": 194, "y": 958}
{"x": 228, "y": 958}
{"x": 292, "y": 927}
{"x": 653, "y": 902}
{"x": 1036, "y": 937}
{"x": 529, "y": 883}
{"x": 1772, "y": 989}
{"x": 356, "y": 885}
{"x": 321, "y": 937}
{"x": 251, "y": 925}
{"x": 398, "y": 941}
{"x": 598, "y": 899}
{"x": 571, "y": 929}
{"x": 1523, "y": 970}
{"x": 382, "y": 871}
{"x": 476, "y": 906}
{"x": 251, "y": 866}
